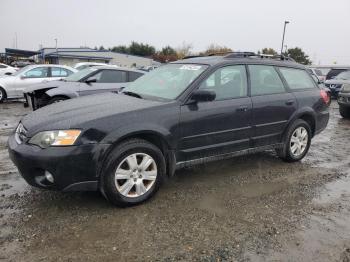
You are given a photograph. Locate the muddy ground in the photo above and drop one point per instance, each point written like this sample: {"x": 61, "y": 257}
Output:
{"x": 252, "y": 208}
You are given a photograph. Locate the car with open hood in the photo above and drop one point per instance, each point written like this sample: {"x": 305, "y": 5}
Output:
{"x": 184, "y": 113}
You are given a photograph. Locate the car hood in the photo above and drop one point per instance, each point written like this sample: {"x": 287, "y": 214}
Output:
{"x": 77, "y": 113}
{"x": 337, "y": 82}
{"x": 48, "y": 85}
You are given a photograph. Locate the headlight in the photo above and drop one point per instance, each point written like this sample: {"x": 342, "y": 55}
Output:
{"x": 55, "y": 138}
{"x": 346, "y": 88}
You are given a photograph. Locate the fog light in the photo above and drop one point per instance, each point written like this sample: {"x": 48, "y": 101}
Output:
{"x": 49, "y": 177}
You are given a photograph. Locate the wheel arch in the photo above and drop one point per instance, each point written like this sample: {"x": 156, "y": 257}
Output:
{"x": 308, "y": 115}
{"x": 154, "y": 137}
{"x": 4, "y": 91}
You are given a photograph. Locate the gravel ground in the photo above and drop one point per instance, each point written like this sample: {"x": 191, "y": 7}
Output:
{"x": 251, "y": 208}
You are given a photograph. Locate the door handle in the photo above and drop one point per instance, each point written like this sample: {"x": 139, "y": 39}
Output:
{"x": 242, "y": 109}
{"x": 289, "y": 102}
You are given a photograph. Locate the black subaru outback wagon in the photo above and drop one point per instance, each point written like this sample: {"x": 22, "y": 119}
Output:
{"x": 187, "y": 112}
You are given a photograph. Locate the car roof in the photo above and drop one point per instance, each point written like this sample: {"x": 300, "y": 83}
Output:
{"x": 119, "y": 68}
{"x": 214, "y": 60}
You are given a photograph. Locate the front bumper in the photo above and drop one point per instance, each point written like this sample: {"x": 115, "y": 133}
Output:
{"x": 74, "y": 168}
{"x": 344, "y": 99}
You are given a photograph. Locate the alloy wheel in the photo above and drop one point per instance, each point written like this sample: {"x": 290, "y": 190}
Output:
{"x": 299, "y": 141}
{"x": 135, "y": 175}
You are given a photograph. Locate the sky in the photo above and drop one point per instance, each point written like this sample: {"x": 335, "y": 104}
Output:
{"x": 321, "y": 28}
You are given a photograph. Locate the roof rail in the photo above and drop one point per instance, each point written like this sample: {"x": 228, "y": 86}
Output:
{"x": 240, "y": 54}
{"x": 245, "y": 55}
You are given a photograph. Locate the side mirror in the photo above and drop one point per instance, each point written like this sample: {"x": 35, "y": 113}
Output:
{"x": 203, "y": 96}
{"x": 90, "y": 80}
{"x": 8, "y": 73}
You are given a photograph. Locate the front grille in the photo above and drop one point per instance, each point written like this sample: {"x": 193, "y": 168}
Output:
{"x": 20, "y": 133}
{"x": 333, "y": 86}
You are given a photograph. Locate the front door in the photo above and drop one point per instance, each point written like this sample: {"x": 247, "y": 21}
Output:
{"x": 272, "y": 105}
{"x": 106, "y": 80}
{"x": 30, "y": 77}
{"x": 220, "y": 126}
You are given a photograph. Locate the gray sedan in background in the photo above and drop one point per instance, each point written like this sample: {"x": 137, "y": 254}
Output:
{"x": 88, "y": 81}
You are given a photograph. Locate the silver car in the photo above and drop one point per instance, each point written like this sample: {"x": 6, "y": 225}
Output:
{"x": 14, "y": 85}
{"x": 89, "y": 81}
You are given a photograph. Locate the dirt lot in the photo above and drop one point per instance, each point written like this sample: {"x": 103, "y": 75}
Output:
{"x": 252, "y": 208}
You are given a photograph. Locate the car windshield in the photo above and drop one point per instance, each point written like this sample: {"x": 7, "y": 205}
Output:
{"x": 343, "y": 75}
{"x": 80, "y": 74}
{"x": 167, "y": 81}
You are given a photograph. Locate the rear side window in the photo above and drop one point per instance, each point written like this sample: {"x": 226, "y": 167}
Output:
{"x": 265, "y": 80}
{"x": 134, "y": 75}
{"x": 297, "y": 78}
{"x": 59, "y": 72}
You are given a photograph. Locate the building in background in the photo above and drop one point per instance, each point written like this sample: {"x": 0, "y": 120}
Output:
{"x": 71, "y": 56}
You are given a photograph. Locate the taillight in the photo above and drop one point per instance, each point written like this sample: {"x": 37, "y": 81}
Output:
{"x": 325, "y": 97}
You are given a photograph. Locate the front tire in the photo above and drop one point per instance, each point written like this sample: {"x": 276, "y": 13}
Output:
{"x": 133, "y": 173}
{"x": 344, "y": 111}
{"x": 297, "y": 142}
{"x": 2, "y": 95}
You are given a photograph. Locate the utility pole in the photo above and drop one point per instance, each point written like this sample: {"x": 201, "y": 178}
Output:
{"x": 56, "y": 51}
{"x": 284, "y": 32}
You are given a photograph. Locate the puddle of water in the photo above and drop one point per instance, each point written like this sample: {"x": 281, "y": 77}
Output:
{"x": 12, "y": 184}
{"x": 335, "y": 191}
{"x": 259, "y": 189}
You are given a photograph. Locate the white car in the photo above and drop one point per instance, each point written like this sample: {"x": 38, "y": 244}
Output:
{"x": 7, "y": 70}
{"x": 14, "y": 85}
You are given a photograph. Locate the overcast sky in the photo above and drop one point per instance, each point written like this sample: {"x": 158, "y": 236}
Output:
{"x": 321, "y": 28}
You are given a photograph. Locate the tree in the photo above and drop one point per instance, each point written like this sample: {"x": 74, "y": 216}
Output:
{"x": 101, "y": 48}
{"x": 167, "y": 54}
{"x": 216, "y": 49}
{"x": 184, "y": 50}
{"x": 268, "y": 51}
{"x": 298, "y": 55}
{"x": 120, "y": 49}
{"x": 141, "y": 49}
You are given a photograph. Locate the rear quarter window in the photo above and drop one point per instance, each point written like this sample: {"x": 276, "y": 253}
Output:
{"x": 297, "y": 78}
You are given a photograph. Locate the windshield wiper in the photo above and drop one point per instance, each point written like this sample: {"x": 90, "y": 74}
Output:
{"x": 129, "y": 93}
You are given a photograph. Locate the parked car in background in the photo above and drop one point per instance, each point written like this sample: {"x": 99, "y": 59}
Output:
{"x": 83, "y": 65}
{"x": 335, "y": 84}
{"x": 183, "y": 113}
{"x": 344, "y": 100}
{"x": 334, "y": 72}
{"x": 321, "y": 86}
{"x": 22, "y": 62}
{"x": 318, "y": 73}
{"x": 13, "y": 86}
{"x": 92, "y": 80}
{"x": 7, "y": 70}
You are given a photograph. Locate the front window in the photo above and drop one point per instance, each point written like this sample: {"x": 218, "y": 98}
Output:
{"x": 39, "y": 72}
{"x": 343, "y": 75}
{"x": 166, "y": 82}
{"x": 80, "y": 74}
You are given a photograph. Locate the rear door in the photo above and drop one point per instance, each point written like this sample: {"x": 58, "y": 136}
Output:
{"x": 106, "y": 80}
{"x": 220, "y": 126}
{"x": 59, "y": 73}
{"x": 273, "y": 105}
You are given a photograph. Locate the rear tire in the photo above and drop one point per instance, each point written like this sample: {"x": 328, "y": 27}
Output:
{"x": 132, "y": 173}
{"x": 297, "y": 142}
{"x": 56, "y": 99}
{"x": 2, "y": 95}
{"x": 344, "y": 111}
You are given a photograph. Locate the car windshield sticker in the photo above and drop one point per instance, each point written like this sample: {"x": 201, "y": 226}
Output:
{"x": 190, "y": 67}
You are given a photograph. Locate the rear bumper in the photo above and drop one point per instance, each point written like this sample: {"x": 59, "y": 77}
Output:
{"x": 74, "y": 168}
{"x": 322, "y": 121}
